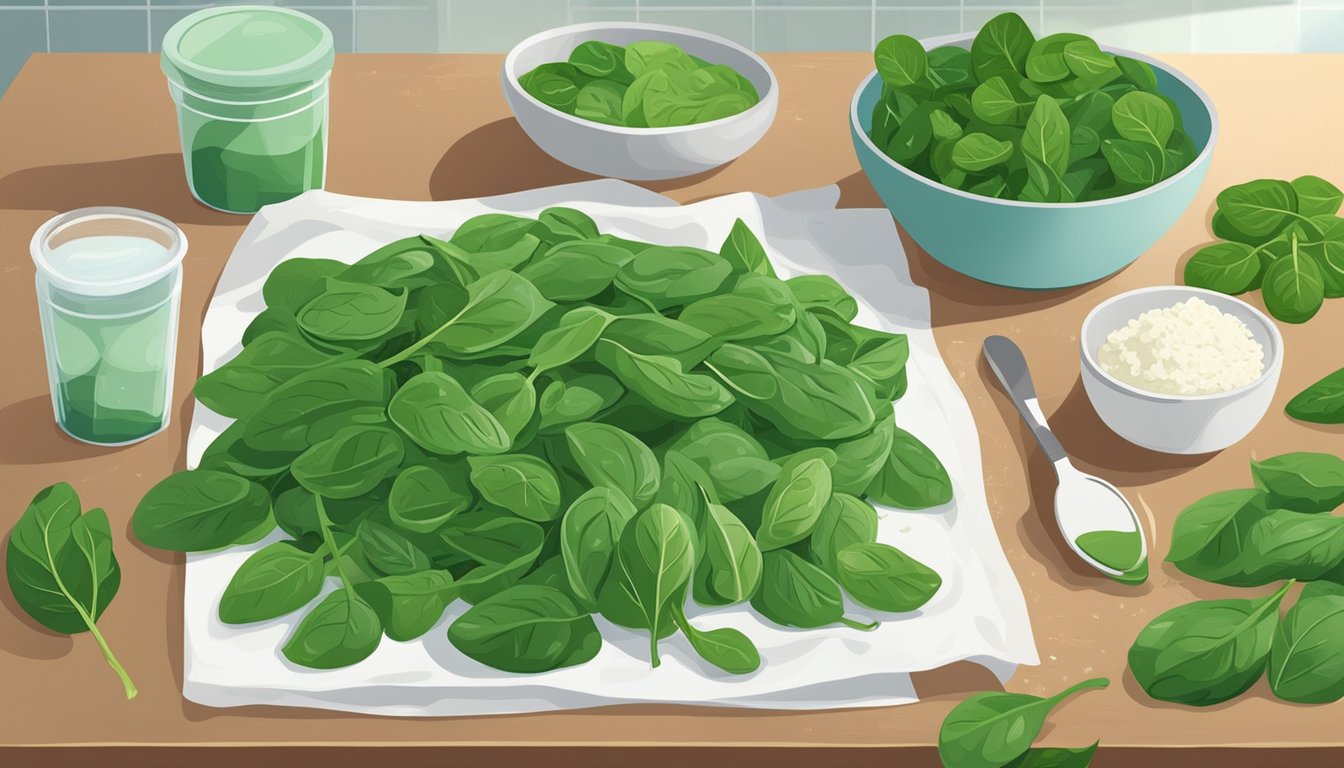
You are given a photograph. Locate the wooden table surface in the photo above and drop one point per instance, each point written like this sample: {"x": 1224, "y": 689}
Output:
{"x": 99, "y": 129}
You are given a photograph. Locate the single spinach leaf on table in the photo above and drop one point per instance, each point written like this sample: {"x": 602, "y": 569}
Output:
{"x": 1302, "y": 481}
{"x": 61, "y": 568}
{"x": 1206, "y": 652}
{"x": 992, "y": 729}
{"x": 1055, "y": 757}
{"x": 1306, "y": 657}
{"x": 1322, "y": 402}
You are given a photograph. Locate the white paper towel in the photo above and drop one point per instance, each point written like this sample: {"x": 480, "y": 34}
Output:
{"x": 978, "y": 614}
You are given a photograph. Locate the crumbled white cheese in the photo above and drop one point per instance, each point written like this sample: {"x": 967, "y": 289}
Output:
{"x": 1191, "y": 348}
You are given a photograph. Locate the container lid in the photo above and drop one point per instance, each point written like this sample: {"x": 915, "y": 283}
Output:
{"x": 107, "y": 251}
{"x": 247, "y": 47}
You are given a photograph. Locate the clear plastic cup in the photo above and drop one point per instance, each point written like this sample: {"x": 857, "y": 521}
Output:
{"x": 250, "y": 84}
{"x": 109, "y": 282}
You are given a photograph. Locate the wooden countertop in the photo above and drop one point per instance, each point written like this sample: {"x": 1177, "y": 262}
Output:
{"x": 99, "y": 129}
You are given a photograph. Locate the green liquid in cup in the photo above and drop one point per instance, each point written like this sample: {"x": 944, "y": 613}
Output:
{"x": 232, "y": 173}
{"x": 109, "y": 355}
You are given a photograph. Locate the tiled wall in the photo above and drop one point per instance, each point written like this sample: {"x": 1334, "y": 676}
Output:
{"x": 768, "y": 25}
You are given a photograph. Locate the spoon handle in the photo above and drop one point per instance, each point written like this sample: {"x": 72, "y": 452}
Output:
{"x": 1007, "y": 362}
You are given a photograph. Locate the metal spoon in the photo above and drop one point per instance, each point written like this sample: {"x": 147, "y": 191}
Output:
{"x": 1086, "y": 507}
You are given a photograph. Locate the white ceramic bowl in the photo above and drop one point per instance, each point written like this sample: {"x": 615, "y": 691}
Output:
{"x": 1185, "y": 424}
{"x": 638, "y": 153}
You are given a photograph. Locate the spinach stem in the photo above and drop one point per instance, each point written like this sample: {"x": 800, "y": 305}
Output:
{"x": 852, "y": 624}
{"x": 111, "y": 658}
{"x": 325, "y": 524}
{"x": 1096, "y": 682}
{"x": 131, "y": 690}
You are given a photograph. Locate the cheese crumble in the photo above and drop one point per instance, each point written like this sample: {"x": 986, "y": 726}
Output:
{"x": 1190, "y": 348}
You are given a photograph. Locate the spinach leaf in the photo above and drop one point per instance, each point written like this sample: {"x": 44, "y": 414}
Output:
{"x": 736, "y": 463}
{"x": 526, "y": 628}
{"x": 729, "y": 567}
{"x": 1230, "y": 268}
{"x": 423, "y": 498}
{"x": 796, "y": 593}
{"x": 575, "y": 270}
{"x": 610, "y": 457}
{"x": 1001, "y": 47}
{"x": 1258, "y": 210}
{"x": 844, "y": 521}
{"x": 275, "y": 580}
{"x": 818, "y": 400}
{"x": 1045, "y": 145}
{"x": 795, "y": 503}
{"x": 733, "y": 316}
{"x": 311, "y": 406}
{"x": 665, "y": 277}
{"x": 295, "y": 282}
{"x": 589, "y": 533}
{"x": 438, "y": 415}
{"x": 350, "y": 463}
{"x": 656, "y": 557}
{"x": 859, "y": 459}
{"x": 1306, "y": 657}
{"x": 662, "y": 382}
{"x": 1205, "y": 652}
{"x": 1144, "y": 118}
{"x": 900, "y": 60}
{"x": 884, "y": 578}
{"x": 992, "y": 729}
{"x": 200, "y": 510}
{"x": 744, "y": 252}
{"x": 389, "y": 551}
{"x": 61, "y": 569}
{"x": 409, "y": 604}
{"x": 499, "y": 306}
{"x": 1293, "y": 286}
{"x": 1322, "y": 402}
{"x": 238, "y": 387}
{"x": 522, "y": 484}
{"x": 821, "y": 293}
{"x": 577, "y": 332}
{"x": 495, "y": 540}
{"x": 912, "y": 477}
{"x": 1316, "y": 196}
{"x": 1305, "y": 482}
{"x": 341, "y": 630}
{"x": 976, "y": 152}
{"x": 352, "y": 312}
{"x": 726, "y": 648}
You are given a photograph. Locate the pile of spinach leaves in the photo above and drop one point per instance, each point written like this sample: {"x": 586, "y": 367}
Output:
{"x": 1283, "y": 530}
{"x": 549, "y": 423}
{"x": 1284, "y": 237}
{"x": 1054, "y": 120}
{"x": 648, "y": 84}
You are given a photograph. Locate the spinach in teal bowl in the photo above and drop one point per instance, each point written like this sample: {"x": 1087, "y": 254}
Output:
{"x": 1030, "y": 245}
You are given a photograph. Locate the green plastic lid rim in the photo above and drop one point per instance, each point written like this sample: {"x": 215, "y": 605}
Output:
{"x": 316, "y": 84}
{"x": 182, "y": 66}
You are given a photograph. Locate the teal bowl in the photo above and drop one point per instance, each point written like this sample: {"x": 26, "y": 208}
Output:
{"x": 1038, "y": 246}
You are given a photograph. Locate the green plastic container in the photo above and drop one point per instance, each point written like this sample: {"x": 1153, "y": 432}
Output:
{"x": 109, "y": 281}
{"x": 250, "y": 84}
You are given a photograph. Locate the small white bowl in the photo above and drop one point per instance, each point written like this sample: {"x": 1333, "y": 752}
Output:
{"x": 638, "y": 154}
{"x": 1183, "y": 424}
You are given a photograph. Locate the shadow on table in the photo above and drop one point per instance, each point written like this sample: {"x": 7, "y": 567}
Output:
{"x": 42, "y": 441}
{"x": 154, "y": 183}
{"x": 498, "y": 158}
